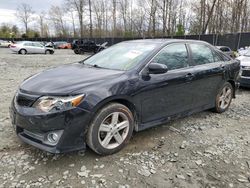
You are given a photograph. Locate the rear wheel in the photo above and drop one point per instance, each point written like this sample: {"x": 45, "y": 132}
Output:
{"x": 81, "y": 51}
{"x": 224, "y": 98}
{"x": 23, "y": 51}
{"x": 111, "y": 129}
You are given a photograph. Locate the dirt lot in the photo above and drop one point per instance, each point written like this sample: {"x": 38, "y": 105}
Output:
{"x": 204, "y": 150}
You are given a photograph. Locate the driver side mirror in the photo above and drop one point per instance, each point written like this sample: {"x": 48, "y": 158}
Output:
{"x": 157, "y": 68}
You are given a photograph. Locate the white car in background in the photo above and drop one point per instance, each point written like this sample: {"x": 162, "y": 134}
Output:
{"x": 5, "y": 44}
{"x": 29, "y": 47}
{"x": 245, "y": 69}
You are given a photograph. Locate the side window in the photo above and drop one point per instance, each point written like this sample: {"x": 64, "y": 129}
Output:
{"x": 217, "y": 57}
{"x": 27, "y": 44}
{"x": 37, "y": 45}
{"x": 201, "y": 54}
{"x": 174, "y": 56}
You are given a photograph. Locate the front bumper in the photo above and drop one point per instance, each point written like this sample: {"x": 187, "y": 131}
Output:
{"x": 244, "y": 81}
{"x": 33, "y": 128}
{"x": 244, "y": 76}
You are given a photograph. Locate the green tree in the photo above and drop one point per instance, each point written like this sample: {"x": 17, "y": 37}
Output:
{"x": 180, "y": 30}
{"x": 5, "y": 31}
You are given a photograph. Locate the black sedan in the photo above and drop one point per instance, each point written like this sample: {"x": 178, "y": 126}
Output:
{"x": 128, "y": 87}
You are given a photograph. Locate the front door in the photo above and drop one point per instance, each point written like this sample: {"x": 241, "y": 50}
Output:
{"x": 168, "y": 94}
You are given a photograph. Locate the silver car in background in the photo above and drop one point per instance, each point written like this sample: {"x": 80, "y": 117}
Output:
{"x": 30, "y": 47}
{"x": 226, "y": 50}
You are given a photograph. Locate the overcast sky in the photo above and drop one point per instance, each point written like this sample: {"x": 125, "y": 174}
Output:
{"x": 8, "y": 8}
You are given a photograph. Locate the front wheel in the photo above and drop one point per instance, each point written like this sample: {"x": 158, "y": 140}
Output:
{"x": 224, "y": 98}
{"x": 111, "y": 129}
{"x": 76, "y": 51}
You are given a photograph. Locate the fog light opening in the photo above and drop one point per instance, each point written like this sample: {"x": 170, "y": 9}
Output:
{"x": 52, "y": 137}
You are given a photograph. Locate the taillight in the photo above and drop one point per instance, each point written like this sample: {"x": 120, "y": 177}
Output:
{"x": 12, "y": 46}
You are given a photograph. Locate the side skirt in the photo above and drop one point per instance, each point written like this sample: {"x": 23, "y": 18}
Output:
{"x": 164, "y": 120}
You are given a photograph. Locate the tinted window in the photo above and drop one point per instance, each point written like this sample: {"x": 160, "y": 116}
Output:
{"x": 201, "y": 54}
{"x": 174, "y": 56}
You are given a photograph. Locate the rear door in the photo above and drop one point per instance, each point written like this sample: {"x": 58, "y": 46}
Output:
{"x": 29, "y": 47}
{"x": 208, "y": 70}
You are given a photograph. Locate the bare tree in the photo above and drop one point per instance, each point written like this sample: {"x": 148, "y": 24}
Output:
{"x": 79, "y": 7}
{"x": 90, "y": 20}
{"x": 114, "y": 3}
{"x": 24, "y": 14}
{"x": 42, "y": 24}
{"x": 56, "y": 16}
{"x": 69, "y": 8}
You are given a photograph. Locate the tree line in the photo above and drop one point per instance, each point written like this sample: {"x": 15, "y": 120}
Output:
{"x": 132, "y": 18}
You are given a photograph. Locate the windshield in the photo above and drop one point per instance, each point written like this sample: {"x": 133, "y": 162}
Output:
{"x": 122, "y": 56}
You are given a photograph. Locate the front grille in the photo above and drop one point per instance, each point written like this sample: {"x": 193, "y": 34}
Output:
{"x": 245, "y": 73}
{"x": 25, "y": 100}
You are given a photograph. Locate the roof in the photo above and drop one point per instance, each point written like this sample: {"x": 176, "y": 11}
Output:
{"x": 164, "y": 41}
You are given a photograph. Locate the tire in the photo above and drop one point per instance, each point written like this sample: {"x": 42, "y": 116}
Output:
{"x": 48, "y": 52}
{"x": 111, "y": 129}
{"x": 223, "y": 98}
{"x": 76, "y": 51}
{"x": 81, "y": 51}
{"x": 23, "y": 51}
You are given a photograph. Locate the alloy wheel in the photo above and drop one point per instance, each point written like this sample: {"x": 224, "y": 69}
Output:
{"x": 113, "y": 130}
{"x": 225, "y": 97}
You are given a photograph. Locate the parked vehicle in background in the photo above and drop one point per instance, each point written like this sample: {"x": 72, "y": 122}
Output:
{"x": 64, "y": 45}
{"x": 29, "y": 47}
{"x": 244, "y": 76}
{"x": 58, "y": 44}
{"x": 82, "y": 46}
{"x": 243, "y": 50}
{"x": 49, "y": 44}
{"x": 128, "y": 87}
{"x": 226, "y": 50}
{"x": 5, "y": 44}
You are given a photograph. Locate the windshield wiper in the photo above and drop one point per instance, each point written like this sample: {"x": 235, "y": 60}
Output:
{"x": 91, "y": 65}
{"x": 96, "y": 66}
{"x": 82, "y": 61}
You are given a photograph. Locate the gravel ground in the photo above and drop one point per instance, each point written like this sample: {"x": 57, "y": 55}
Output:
{"x": 203, "y": 150}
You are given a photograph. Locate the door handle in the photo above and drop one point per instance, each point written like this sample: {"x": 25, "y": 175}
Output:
{"x": 189, "y": 76}
{"x": 222, "y": 66}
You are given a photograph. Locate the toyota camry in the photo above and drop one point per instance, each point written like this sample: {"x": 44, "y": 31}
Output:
{"x": 100, "y": 101}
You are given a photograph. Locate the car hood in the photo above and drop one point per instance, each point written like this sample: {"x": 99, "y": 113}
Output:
{"x": 244, "y": 60}
{"x": 66, "y": 79}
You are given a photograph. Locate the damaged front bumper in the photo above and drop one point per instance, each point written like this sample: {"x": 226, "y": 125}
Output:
{"x": 55, "y": 133}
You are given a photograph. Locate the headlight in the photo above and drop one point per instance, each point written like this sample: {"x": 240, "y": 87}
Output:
{"x": 53, "y": 104}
